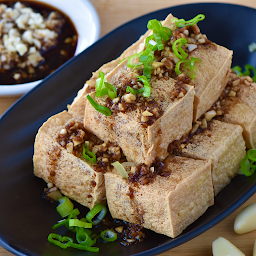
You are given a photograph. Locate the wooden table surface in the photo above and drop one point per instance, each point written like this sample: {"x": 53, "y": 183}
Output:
{"x": 113, "y": 13}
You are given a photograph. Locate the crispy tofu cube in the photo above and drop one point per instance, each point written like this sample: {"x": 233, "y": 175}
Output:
{"x": 212, "y": 75}
{"x": 167, "y": 205}
{"x": 53, "y": 163}
{"x": 222, "y": 143}
{"x": 77, "y": 107}
{"x": 238, "y": 105}
{"x": 143, "y": 127}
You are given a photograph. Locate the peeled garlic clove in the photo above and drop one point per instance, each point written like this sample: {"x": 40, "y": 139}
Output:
{"x": 246, "y": 220}
{"x": 222, "y": 247}
{"x": 254, "y": 249}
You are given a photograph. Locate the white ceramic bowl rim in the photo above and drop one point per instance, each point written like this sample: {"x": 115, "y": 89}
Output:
{"x": 87, "y": 24}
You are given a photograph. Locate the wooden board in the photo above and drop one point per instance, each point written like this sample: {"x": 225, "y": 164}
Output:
{"x": 114, "y": 13}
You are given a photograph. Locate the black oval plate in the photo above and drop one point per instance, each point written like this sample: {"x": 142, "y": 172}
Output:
{"x": 26, "y": 219}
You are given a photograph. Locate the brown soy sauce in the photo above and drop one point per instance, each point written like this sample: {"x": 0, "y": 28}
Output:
{"x": 54, "y": 57}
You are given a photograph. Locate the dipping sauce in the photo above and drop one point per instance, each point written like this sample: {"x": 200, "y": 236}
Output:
{"x": 35, "y": 39}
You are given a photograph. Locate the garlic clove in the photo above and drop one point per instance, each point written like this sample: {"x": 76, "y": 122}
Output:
{"x": 246, "y": 220}
{"x": 222, "y": 247}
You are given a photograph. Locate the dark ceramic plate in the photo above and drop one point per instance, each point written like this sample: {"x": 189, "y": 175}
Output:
{"x": 25, "y": 218}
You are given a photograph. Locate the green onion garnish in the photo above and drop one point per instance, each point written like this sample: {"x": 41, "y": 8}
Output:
{"x": 65, "y": 242}
{"x": 61, "y": 241}
{"x": 96, "y": 214}
{"x": 180, "y": 53}
{"x": 147, "y": 88}
{"x": 247, "y": 72}
{"x": 133, "y": 91}
{"x": 108, "y": 235}
{"x": 103, "y": 88}
{"x": 79, "y": 223}
{"x": 190, "y": 63}
{"x": 248, "y": 164}
{"x": 120, "y": 169}
{"x": 83, "y": 237}
{"x": 87, "y": 154}
{"x": 248, "y": 69}
{"x": 182, "y": 23}
{"x": 104, "y": 110}
{"x": 152, "y": 43}
{"x": 160, "y": 33}
{"x": 177, "y": 67}
{"x": 65, "y": 206}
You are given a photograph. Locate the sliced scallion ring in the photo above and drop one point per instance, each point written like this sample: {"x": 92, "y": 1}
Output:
{"x": 79, "y": 223}
{"x": 96, "y": 214}
{"x": 147, "y": 87}
{"x": 251, "y": 154}
{"x": 104, "y": 110}
{"x": 182, "y": 23}
{"x": 180, "y": 53}
{"x": 245, "y": 167}
{"x": 87, "y": 154}
{"x": 108, "y": 235}
{"x": 65, "y": 206}
{"x": 120, "y": 169}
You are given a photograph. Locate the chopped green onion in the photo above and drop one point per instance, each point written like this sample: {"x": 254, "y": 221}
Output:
{"x": 245, "y": 167}
{"x": 180, "y": 53}
{"x": 103, "y": 88}
{"x": 247, "y": 72}
{"x": 96, "y": 214}
{"x": 60, "y": 223}
{"x": 65, "y": 242}
{"x": 192, "y": 69}
{"x": 248, "y": 69}
{"x": 252, "y": 47}
{"x": 65, "y": 206}
{"x": 131, "y": 64}
{"x": 147, "y": 88}
{"x": 160, "y": 33}
{"x": 84, "y": 247}
{"x": 238, "y": 70}
{"x": 150, "y": 43}
{"x": 177, "y": 67}
{"x": 120, "y": 169}
{"x": 87, "y": 154}
{"x": 79, "y": 223}
{"x": 251, "y": 154}
{"x": 182, "y": 23}
{"x": 174, "y": 20}
{"x": 108, "y": 235}
{"x": 133, "y": 91}
{"x": 82, "y": 237}
{"x": 104, "y": 110}
{"x": 61, "y": 241}
{"x": 188, "y": 63}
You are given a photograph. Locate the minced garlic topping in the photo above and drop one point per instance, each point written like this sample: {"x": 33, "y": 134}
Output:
{"x": 24, "y": 34}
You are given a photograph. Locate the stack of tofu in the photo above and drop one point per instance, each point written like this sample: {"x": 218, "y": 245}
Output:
{"x": 196, "y": 129}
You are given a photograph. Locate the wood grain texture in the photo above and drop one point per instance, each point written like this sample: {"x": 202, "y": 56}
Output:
{"x": 114, "y": 13}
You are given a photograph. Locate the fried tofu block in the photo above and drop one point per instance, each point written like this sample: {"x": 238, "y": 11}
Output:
{"x": 143, "y": 127}
{"x": 77, "y": 107}
{"x": 237, "y": 105}
{"x": 167, "y": 205}
{"x": 224, "y": 145}
{"x": 74, "y": 177}
{"x": 212, "y": 75}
